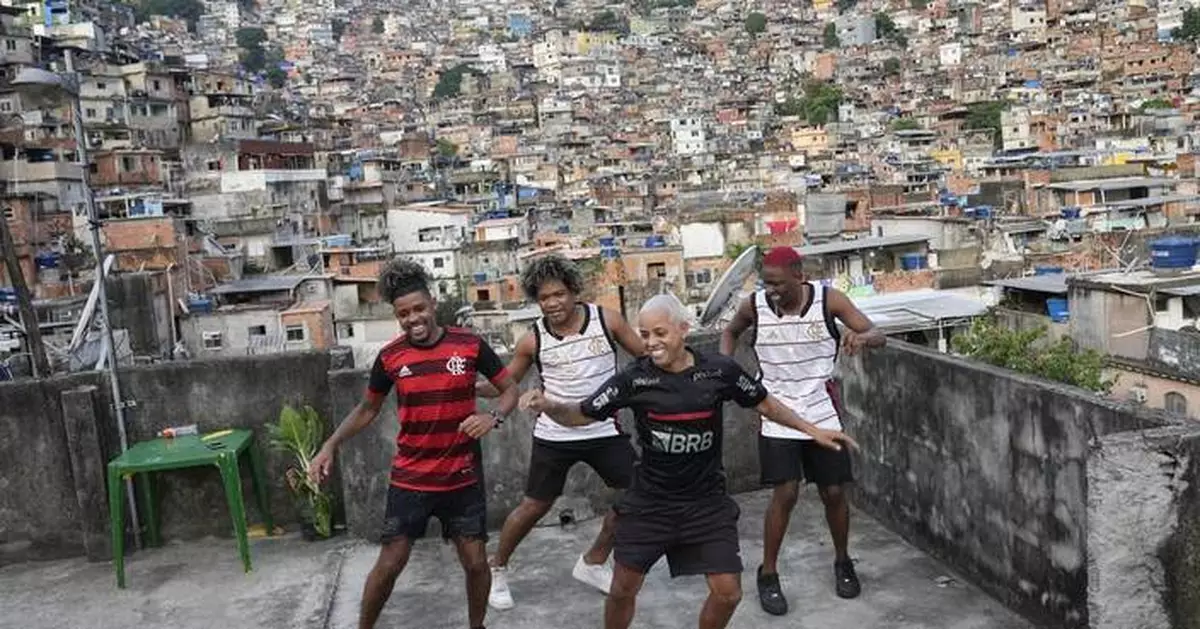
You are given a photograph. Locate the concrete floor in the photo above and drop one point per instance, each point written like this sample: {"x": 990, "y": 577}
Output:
{"x": 295, "y": 584}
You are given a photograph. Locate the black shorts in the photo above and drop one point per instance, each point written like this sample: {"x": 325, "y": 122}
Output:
{"x": 462, "y": 512}
{"x": 697, "y": 538}
{"x": 786, "y": 460}
{"x": 613, "y": 459}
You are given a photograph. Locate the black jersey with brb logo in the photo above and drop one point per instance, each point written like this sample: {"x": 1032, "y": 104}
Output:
{"x": 679, "y": 423}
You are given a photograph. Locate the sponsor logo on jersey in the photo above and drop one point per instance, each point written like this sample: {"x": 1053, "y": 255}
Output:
{"x": 681, "y": 442}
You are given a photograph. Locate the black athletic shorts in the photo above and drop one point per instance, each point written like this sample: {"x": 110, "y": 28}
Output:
{"x": 462, "y": 512}
{"x": 785, "y": 460}
{"x": 613, "y": 459}
{"x": 697, "y": 538}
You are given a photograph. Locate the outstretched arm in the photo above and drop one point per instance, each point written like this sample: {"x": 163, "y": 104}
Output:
{"x": 566, "y": 414}
{"x": 742, "y": 320}
{"x": 359, "y": 418}
{"x": 623, "y": 333}
{"x": 860, "y": 332}
{"x": 612, "y": 396}
{"x": 776, "y": 411}
{"x": 518, "y": 366}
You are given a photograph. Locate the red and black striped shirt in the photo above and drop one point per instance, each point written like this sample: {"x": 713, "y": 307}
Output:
{"x": 435, "y": 390}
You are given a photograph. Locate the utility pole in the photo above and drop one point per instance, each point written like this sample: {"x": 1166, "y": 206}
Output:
{"x": 33, "y": 334}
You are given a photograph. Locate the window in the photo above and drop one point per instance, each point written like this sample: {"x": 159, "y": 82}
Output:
{"x": 257, "y": 330}
{"x": 657, "y": 270}
{"x": 1175, "y": 404}
{"x": 345, "y": 331}
{"x": 6, "y": 106}
{"x": 211, "y": 340}
{"x": 10, "y": 44}
{"x": 214, "y": 164}
{"x": 157, "y": 85}
{"x": 89, "y": 113}
{"x": 296, "y": 333}
{"x": 101, "y": 86}
{"x": 429, "y": 234}
{"x": 438, "y": 263}
{"x": 127, "y": 164}
{"x": 484, "y": 295}
{"x": 9, "y": 213}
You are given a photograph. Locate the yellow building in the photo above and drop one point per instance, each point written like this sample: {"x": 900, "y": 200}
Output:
{"x": 586, "y": 41}
{"x": 950, "y": 158}
{"x": 810, "y": 140}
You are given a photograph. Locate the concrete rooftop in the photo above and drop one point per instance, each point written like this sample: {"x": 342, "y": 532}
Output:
{"x": 295, "y": 584}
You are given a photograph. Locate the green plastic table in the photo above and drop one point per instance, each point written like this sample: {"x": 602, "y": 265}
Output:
{"x": 181, "y": 452}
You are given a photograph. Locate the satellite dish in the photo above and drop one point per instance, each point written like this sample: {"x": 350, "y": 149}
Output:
{"x": 726, "y": 289}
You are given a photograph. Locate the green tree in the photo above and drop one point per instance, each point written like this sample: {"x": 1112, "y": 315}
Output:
{"x": 250, "y": 37}
{"x": 1031, "y": 352}
{"x": 1156, "y": 103}
{"x": 905, "y": 124}
{"x": 918, "y": 5}
{"x": 830, "y": 37}
{"x": 188, "y": 10}
{"x": 821, "y": 102}
{"x": 756, "y": 23}
{"x": 449, "y": 84}
{"x": 446, "y": 148}
{"x": 1190, "y": 29}
{"x": 885, "y": 27}
{"x": 891, "y": 67}
{"x": 986, "y": 116}
{"x": 277, "y": 77}
{"x": 377, "y": 26}
{"x": 607, "y": 21}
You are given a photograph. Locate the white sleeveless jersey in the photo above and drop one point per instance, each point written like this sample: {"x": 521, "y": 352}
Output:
{"x": 796, "y": 358}
{"x": 573, "y": 367}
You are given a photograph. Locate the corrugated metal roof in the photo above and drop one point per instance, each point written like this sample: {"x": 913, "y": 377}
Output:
{"x": 1054, "y": 283}
{"x": 262, "y": 284}
{"x": 860, "y": 244}
{"x": 917, "y": 309}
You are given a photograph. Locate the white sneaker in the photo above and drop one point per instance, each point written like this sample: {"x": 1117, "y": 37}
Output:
{"x": 599, "y": 576}
{"x": 500, "y": 597}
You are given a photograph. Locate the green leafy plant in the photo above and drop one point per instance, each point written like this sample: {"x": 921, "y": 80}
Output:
{"x": 301, "y": 433}
{"x": 1030, "y": 352}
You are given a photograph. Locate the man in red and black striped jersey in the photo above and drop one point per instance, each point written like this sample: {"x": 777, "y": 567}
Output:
{"x": 437, "y": 470}
{"x": 677, "y": 506}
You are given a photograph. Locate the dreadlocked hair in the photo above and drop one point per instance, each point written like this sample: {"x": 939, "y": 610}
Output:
{"x": 400, "y": 277}
{"x": 550, "y": 268}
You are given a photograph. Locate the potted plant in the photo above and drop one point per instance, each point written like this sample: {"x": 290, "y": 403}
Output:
{"x": 300, "y": 433}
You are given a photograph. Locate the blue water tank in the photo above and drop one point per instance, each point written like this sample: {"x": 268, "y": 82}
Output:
{"x": 983, "y": 212}
{"x": 655, "y": 242}
{"x": 1070, "y": 212}
{"x": 1173, "y": 252}
{"x": 200, "y": 305}
{"x": 913, "y": 261}
{"x": 610, "y": 253}
{"x": 607, "y": 241}
{"x": 1047, "y": 270}
{"x": 46, "y": 260}
{"x": 1056, "y": 307}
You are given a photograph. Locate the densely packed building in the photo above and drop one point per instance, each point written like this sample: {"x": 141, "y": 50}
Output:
{"x": 257, "y": 162}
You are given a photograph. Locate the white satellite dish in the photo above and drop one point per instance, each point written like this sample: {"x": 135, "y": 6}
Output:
{"x": 726, "y": 289}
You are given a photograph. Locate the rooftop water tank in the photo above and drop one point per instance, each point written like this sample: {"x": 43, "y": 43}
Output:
{"x": 1173, "y": 252}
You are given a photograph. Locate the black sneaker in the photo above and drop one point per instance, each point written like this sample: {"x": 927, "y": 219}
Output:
{"x": 847, "y": 581}
{"x": 770, "y": 595}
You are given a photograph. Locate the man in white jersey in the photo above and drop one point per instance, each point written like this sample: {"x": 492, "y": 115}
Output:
{"x": 573, "y": 346}
{"x": 797, "y": 341}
